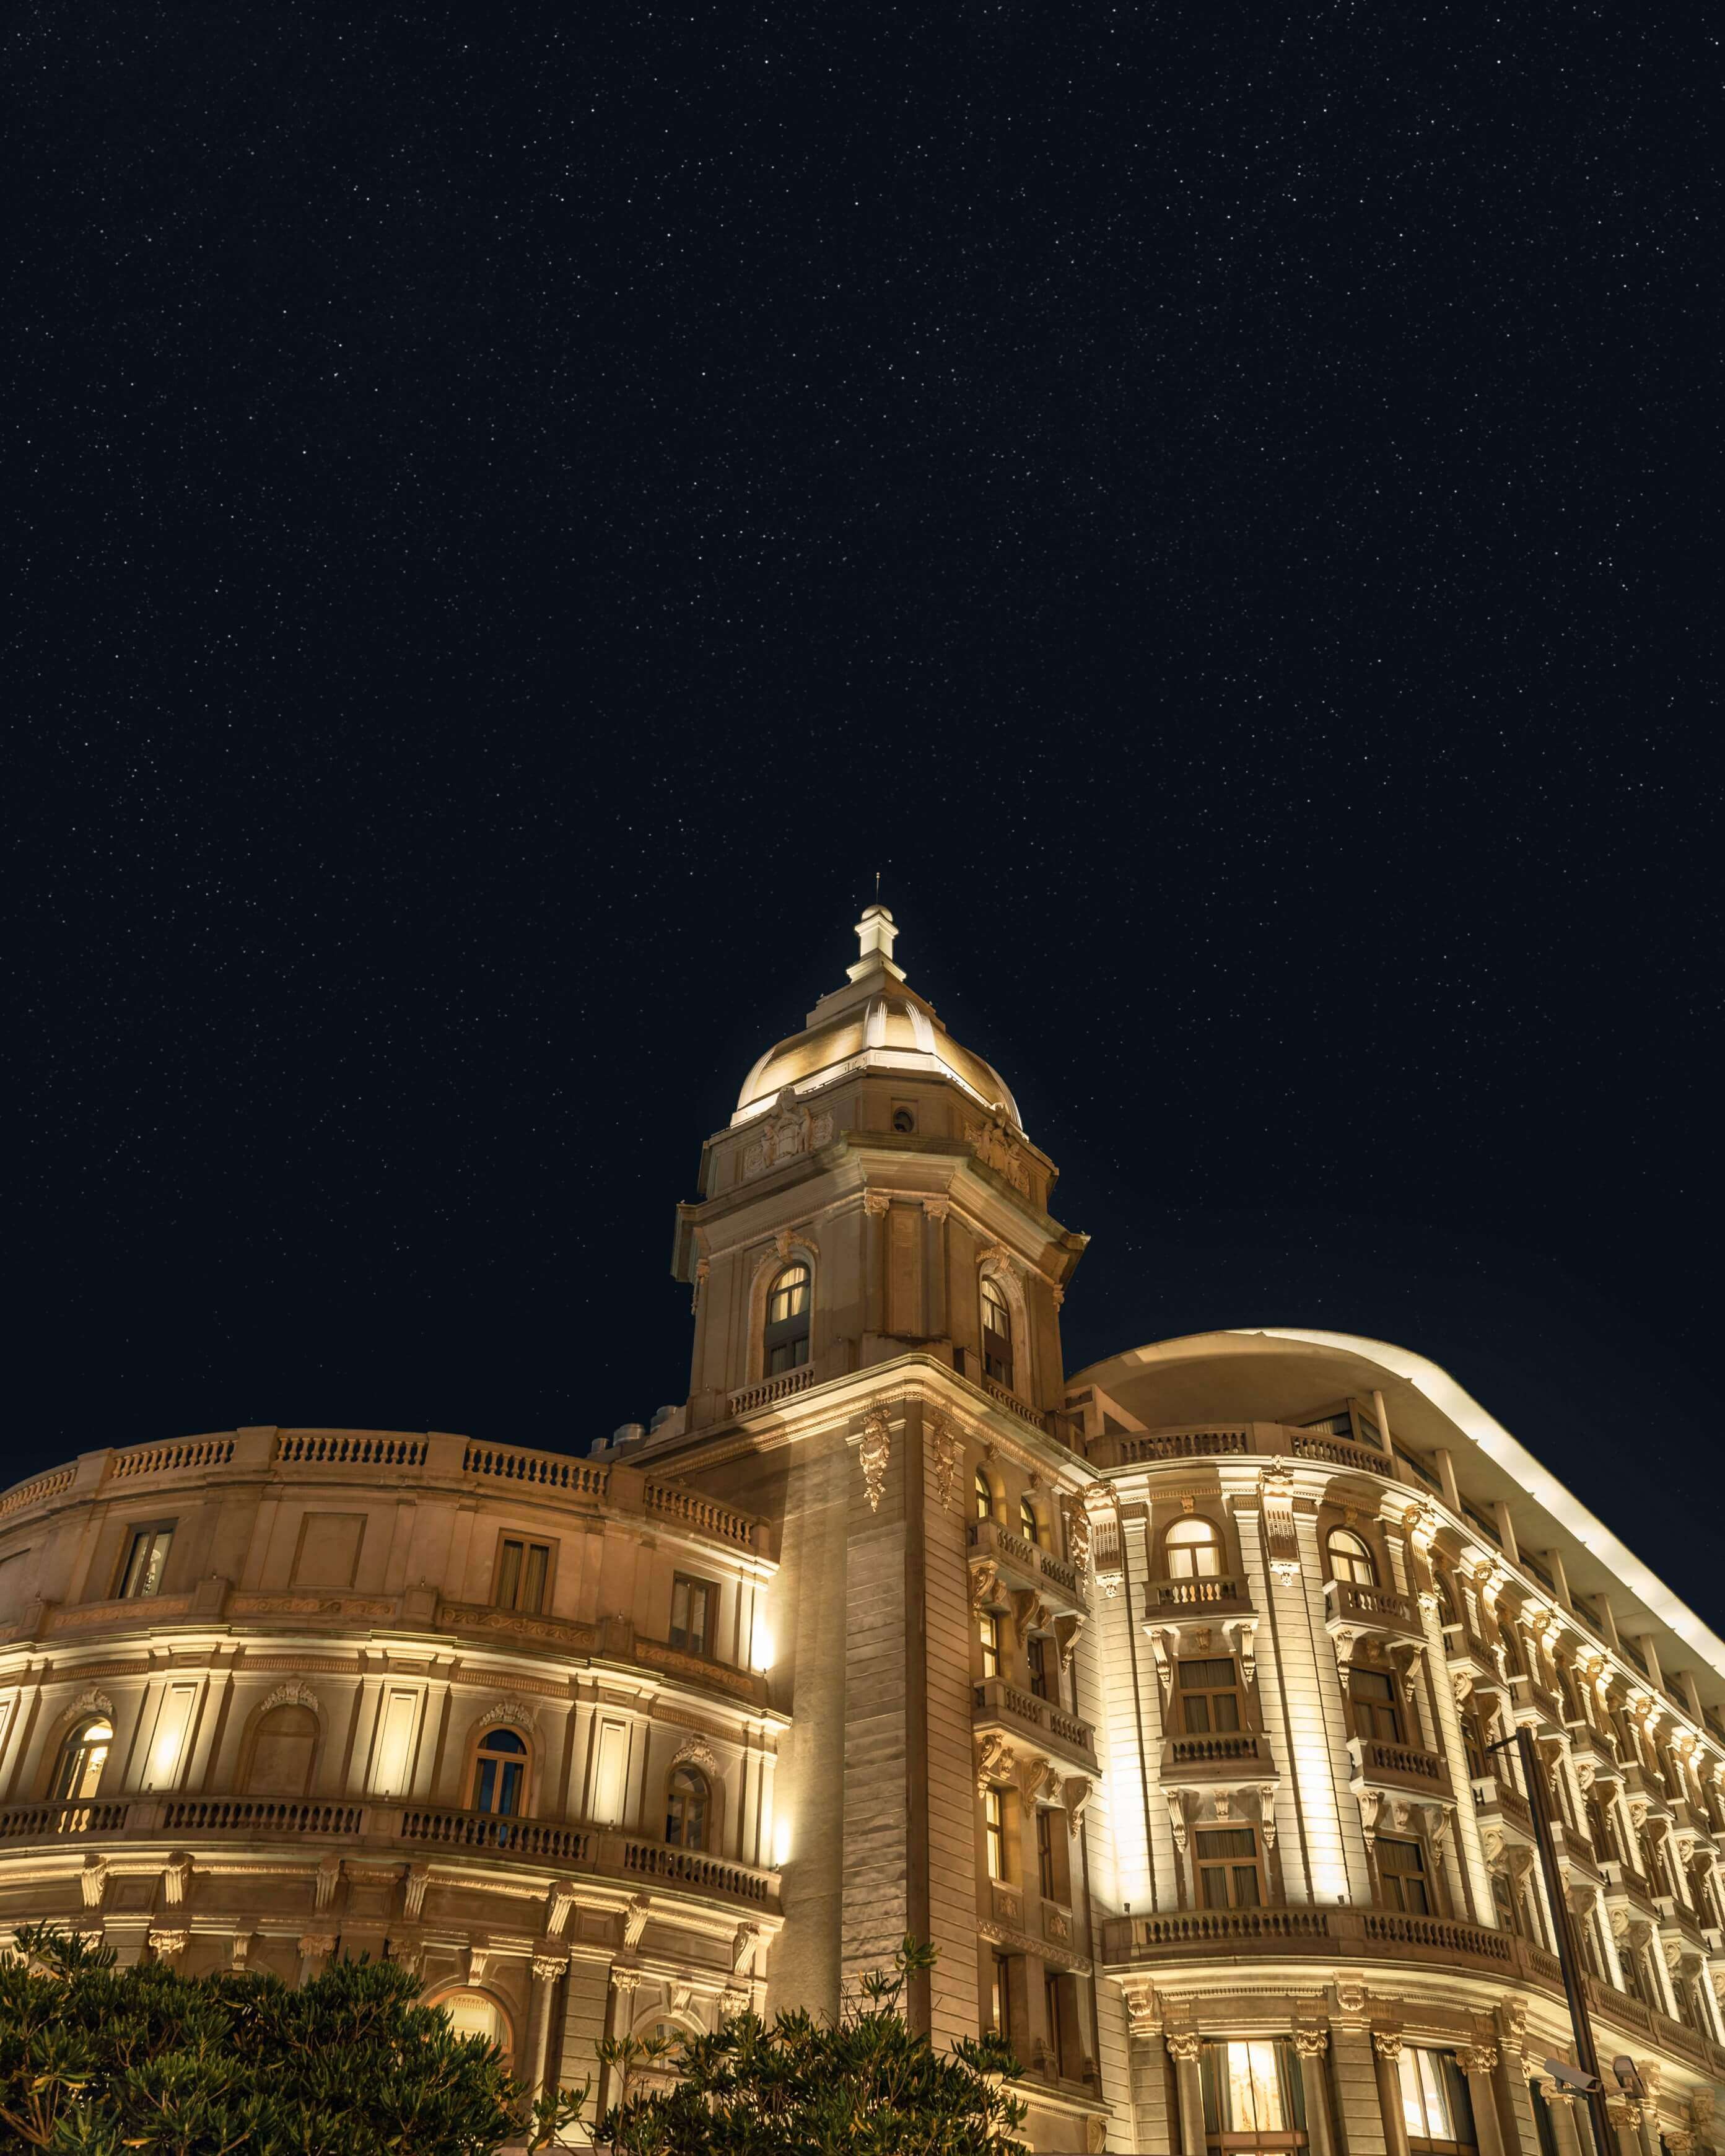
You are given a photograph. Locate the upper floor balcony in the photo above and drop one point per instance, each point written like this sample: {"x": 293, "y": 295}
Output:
{"x": 1023, "y": 1720}
{"x": 1021, "y": 1562}
{"x": 1357, "y": 1610}
{"x": 1227, "y": 1595}
{"x": 1223, "y": 1441}
{"x": 1222, "y": 1759}
{"x": 326, "y": 1827}
{"x": 1403, "y": 1769}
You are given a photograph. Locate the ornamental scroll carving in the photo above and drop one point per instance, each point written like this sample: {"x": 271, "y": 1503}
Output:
{"x": 787, "y": 1130}
{"x": 694, "y": 1751}
{"x": 1281, "y": 1543}
{"x": 946, "y": 1453}
{"x": 875, "y": 1450}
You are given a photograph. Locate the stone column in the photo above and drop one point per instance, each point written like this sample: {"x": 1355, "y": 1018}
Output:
{"x": 315, "y": 1948}
{"x": 1386, "y": 2052}
{"x": 1312, "y": 2044}
{"x": 934, "y": 1211}
{"x": 1563, "y": 2129}
{"x": 1358, "y": 2090}
{"x": 1477, "y": 2064}
{"x": 875, "y": 1204}
{"x": 1624, "y": 2124}
{"x": 548, "y": 1968}
{"x": 1183, "y": 2048}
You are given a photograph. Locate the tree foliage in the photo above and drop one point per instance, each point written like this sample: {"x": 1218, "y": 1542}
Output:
{"x": 863, "y": 2085}
{"x": 97, "y": 2060}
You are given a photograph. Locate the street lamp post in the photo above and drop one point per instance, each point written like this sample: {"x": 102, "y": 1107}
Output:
{"x": 1569, "y": 1956}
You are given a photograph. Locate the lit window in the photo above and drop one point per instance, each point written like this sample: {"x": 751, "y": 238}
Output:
{"x": 1228, "y": 1876}
{"x": 686, "y": 1810}
{"x": 1435, "y": 2103}
{"x": 1001, "y": 2000}
{"x": 984, "y": 1496}
{"x": 499, "y": 1773}
{"x": 522, "y": 1570}
{"x": 1377, "y": 1711}
{"x": 787, "y": 1338}
{"x": 1401, "y": 1867}
{"x": 471, "y": 2013}
{"x": 997, "y": 1333}
{"x": 1194, "y": 1550}
{"x": 1350, "y": 1559}
{"x": 146, "y": 1557}
{"x": 694, "y": 1605}
{"x": 1252, "y": 2089}
{"x": 994, "y": 1831}
{"x": 1209, "y": 1696}
{"x": 1030, "y": 1523}
{"x": 78, "y": 1771}
{"x": 988, "y": 1626}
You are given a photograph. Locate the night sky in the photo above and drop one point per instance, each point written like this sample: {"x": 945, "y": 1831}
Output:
{"x": 511, "y": 520}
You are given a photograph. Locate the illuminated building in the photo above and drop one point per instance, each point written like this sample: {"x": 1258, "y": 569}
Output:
{"x": 1161, "y": 1698}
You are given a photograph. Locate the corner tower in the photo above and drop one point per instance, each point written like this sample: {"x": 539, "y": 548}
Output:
{"x": 875, "y": 1193}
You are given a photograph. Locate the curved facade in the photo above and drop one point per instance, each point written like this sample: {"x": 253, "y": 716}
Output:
{"x": 268, "y": 1695}
{"x": 1167, "y": 1700}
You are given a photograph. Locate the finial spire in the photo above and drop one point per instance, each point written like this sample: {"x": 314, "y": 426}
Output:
{"x": 875, "y": 935}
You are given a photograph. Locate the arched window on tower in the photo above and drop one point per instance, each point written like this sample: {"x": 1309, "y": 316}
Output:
{"x": 687, "y": 1803}
{"x": 997, "y": 1333}
{"x": 1350, "y": 1559}
{"x": 77, "y": 1770}
{"x": 1029, "y": 1523}
{"x": 500, "y": 1773}
{"x": 984, "y": 1495}
{"x": 787, "y": 1338}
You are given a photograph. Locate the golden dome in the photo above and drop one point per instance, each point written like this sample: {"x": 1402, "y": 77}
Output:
{"x": 875, "y": 1022}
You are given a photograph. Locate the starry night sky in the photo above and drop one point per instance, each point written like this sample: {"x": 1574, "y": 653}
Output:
{"x": 513, "y": 519}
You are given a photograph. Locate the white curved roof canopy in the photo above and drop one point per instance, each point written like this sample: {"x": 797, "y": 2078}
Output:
{"x": 1278, "y": 1374}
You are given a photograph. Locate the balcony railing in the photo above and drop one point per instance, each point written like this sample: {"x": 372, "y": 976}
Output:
{"x": 1370, "y": 1609}
{"x": 1404, "y": 1766}
{"x": 1025, "y": 1716}
{"x": 1221, "y": 1756}
{"x": 369, "y": 1825}
{"x": 771, "y": 1391}
{"x": 1218, "y": 1595}
{"x": 1016, "y": 1554}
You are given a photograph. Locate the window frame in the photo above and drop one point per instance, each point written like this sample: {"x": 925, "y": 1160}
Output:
{"x": 1191, "y": 1544}
{"x": 991, "y": 1295}
{"x": 1394, "y": 1884}
{"x": 1395, "y": 1704}
{"x": 137, "y": 1532}
{"x": 782, "y": 1338}
{"x": 1228, "y": 1866}
{"x": 517, "y": 1753}
{"x": 692, "y": 1581}
{"x": 527, "y": 1544}
{"x": 75, "y": 1747}
{"x": 1189, "y": 1694}
{"x": 1457, "y": 2099}
{"x": 995, "y": 1841}
{"x": 990, "y": 1643}
{"x": 677, "y": 1799}
{"x": 1361, "y": 1553}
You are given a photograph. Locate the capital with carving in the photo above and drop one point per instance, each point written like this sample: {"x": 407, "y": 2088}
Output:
{"x": 1386, "y": 2043}
{"x": 1184, "y": 2046}
{"x": 548, "y": 1968}
{"x": 1311, "y": 2043}
{"x": 165, "y": 1945}
{"x": 876, "y": 1204}
{"x": 624, "y": 1979}
{"x": 1479, "y": 2059}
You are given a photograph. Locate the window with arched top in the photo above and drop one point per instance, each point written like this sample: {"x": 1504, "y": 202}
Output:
{"x": 688, "y": 1802}
{"x": 786, "y": 1340}
{"x": 997, "y": 1333}
{"x": 77, "y": 1769}
{"x": 984, "y": 1495}
{"x": 1191, "y": 1549}
{"x": 474, "y": 2014}
{"x": 499, "y": 1773}
{"x": 1029, "y": 1523}
{"x": 282, "y": 1749}
{"x": 1350, "y": 1559}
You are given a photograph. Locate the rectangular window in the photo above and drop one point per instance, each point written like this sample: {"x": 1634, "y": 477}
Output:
{"x": 146, "y": 1559}
{"x": 1053, "y": 1866}
{"x": 523, "y": 1572}
{"x": 987, "y": 1627}
{"x": 1055, "y": 2008}
{"x": 1435, "y": 2108}
{"x": 1377, "y": 1711}
{"x": 1401, "y": 1867}
{"x": 1228, "y": 1874}
{"x": 1036, "y": 1660}
{"x": 994, "y": 1831}
{"x": 1252, "y": 2089}
{"x": 1209, "y": 1696}
{"x": 695, "y": 1606}
{"x": 1001, "y": 2001}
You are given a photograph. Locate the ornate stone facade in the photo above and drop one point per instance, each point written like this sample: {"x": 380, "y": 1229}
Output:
{"x": 1161, "y": 1698}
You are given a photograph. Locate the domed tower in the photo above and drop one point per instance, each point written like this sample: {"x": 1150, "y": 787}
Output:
{"x": 874, "y": 1193}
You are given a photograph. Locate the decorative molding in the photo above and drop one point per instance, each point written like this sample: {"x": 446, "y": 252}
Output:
{"x": 175, "y": 1878}
{"x": 995, "y": 1761}
{"x": 1310, "y": 2043}
{"x": 876, "y": 1204}
{"x": 517, "y": 1713}
{"x": 1386, "y": 2043}
{"x": 168, "y": 1944}
{"x": 548, "y": 1968}
{"x": 694, "y": 1751}
{"x": 1275, "y": 1496}
{"x": 635, "y": 1920}
{"x": 947, "y": 1452}
{"x": 1184, "y": 2046}
{"x": 990, "y": 1142}
{"x": 93, "y": 1879}
{"x": 786, "y": 1131}
{"x": 874, "y": 1452}
{"x": 291, "y": 1694}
